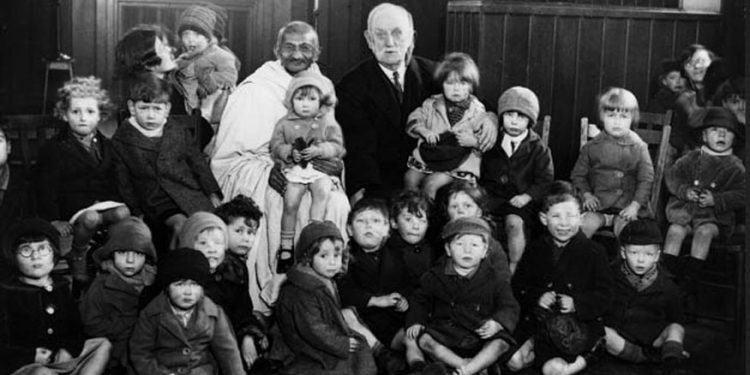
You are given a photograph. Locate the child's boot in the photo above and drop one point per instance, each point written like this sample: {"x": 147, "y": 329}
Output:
{"x": 285, "y": 255}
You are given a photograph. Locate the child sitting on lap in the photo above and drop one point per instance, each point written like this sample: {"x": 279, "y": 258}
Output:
{"x": 464, "y": 312}
{"x": 309, "y": 131}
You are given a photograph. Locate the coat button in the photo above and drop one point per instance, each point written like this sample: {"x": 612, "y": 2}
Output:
{"x": 50, "y": 310}
{"x": 50, "y": 331}
{"x": 186, "y": 351}
{"x": 503, "y": 179}
{"x": 619, "y": 174}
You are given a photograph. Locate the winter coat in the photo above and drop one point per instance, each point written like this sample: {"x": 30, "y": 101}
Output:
{"x": 213, "y": 69}
{"x": 724, "y": 176}
{"x": 309, "y": 315}
{"x": 417, "y": 260}
{"x": 161, "y": 345}
{"x": 15, "y": 204}
{"x": 640, "y": 317}
{"x": 67, "y": 178}
{"x": 451, "y": 307}
{"x": 617, "y": 172}
{"x": 110, "y": 309}
{"x": 370, "y": 275}
{"x": 321, "y": 131}
{"x": 33, "y": 317}
{"x": 373, "y": 122}
{"x": 180, "y": 170}
{"x": 529, "y": 170}
{"x": 433, "y": 115}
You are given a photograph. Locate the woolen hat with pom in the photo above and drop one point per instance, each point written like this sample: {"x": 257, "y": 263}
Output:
{"x": 197, "y": 223}
{"x": 521, "y": 100}
{"x": 130, "y": 234}
{"x": 182, "y": 264}
{"x": 205, "y": 18}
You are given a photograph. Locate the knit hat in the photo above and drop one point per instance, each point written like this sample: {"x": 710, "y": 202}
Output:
{"x": 182, "y": 264}
{"x": 29, "y": 228}
{"x": 445, "y": 155}
{"x": 206, "y": 18}
{"x": 669, "y": 65}
{"x": 128, "y": 234}
{"x": 197, "y": 223}
{"x": 466, "y": 225}
{"x": 521, "y": 100}
{"x": 641, "y": 232}
{"x": 313, "y": 232}
{"x": 720, "y": 117}
{"x": 308, "y": 78}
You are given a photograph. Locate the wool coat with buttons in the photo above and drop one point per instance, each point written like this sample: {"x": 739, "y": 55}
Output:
{"x": 68, "y": 178}
{"x": 322, "y": 131}
{"x": 109, "y": 309}
{"x": 455, "y": 306}
{"x": 529, "y": 170}
{"x": 417, "y": 259}
{"x": 33, "y": 317}
{"x": 161, "y": 345}
{"x": 176, "y": 166}
{"x": 640, "y": 317}
{"x": 616, "y": 171}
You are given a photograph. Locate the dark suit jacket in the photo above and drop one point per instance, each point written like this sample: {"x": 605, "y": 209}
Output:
{"x": 67, "y": 178}
{"x": 374, "y": 123}
{"x": 180, "y": 170}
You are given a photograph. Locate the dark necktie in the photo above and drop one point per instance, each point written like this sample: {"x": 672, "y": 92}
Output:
{"x": 397, "y": 85}
{"x": 512, "y": 147}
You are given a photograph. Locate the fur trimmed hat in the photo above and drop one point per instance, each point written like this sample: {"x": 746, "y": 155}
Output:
{"x": 206, "y": 18}
{"x": 313, "y": 232}
{"x": 308, "y": 78}
{"x": 521, "y": 100}
{"x": 197, "y": 223}
{"x": 182, "y": 264}
{"x": 129, "y": 234}
{"x": 641, "y": 232}
{"x": 466, "y": 225}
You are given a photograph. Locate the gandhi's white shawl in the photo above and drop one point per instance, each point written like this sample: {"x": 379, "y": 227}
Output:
{"x": 241, "y": 163}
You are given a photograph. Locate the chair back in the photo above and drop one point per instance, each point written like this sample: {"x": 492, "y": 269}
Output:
{"x": 26, "y": 134}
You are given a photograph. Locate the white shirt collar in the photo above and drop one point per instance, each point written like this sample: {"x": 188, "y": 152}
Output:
{"x": 389, "y": 73}
{"x": 505, "y": 144}
{"x": 148, "y": 133}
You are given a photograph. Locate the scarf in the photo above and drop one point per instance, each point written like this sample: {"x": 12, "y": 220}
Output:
{"x": 138, "y": 281}
{"x": 640, "y": 283}
{"x": 709, "y": 151}
{"x": 456, "y": 110}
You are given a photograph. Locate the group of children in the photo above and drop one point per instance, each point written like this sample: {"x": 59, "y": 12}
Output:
{"x": 459, "y": 286}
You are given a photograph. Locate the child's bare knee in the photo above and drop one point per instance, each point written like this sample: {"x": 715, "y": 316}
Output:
{"x": 427, "y": 343}
{"x": 120, "y": 213}
{"x": 513, "y": 224}
{"x": 674, "y": 330}
{"x": 708, "y": 231}
{"x": 555, "y": 366}
{"x": 89, "y": 220}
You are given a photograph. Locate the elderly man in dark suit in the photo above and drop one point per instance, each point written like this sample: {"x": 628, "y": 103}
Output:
{"x": 376, "y": 98}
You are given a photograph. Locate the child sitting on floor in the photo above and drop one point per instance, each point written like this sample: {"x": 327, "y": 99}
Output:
{"x": 109, "y": 308}
{"x": 40, "y": 328}
{"x": 463, "y": 314}
{"x": 614, "y": 171}
{"x": 182, "y": 330}
{"x": 309, "y": 131}
{"x": 645, "y": 320}
{"x": 309, "y": 310}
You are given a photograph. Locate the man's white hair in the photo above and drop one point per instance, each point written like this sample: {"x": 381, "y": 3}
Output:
{"x": 388, "y": 6}
{"x": 297, "y": 27}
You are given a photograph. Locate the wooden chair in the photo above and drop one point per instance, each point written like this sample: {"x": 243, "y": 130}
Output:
{"x": 26, "y": 134}
{"x": 543, "y": 130}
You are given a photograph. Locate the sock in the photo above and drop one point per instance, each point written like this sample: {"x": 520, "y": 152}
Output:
{"x": 671, "y": 349}
{"x": 632, "y": 353}
{"x": 671, "y": 263}
{"x": 377, "y": 348}
{"x": 287, "y": 239}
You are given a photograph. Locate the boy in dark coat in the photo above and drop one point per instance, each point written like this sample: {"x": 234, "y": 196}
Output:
{"x": 109, "y": 308}
{"x": 181, "y": 330}
{"x": 646, "y": 311}
{"x": 517, "y": 170}
{"x": 14, "y": 199}
{"x": 160, "y": 172}
{"x": 566, "y": 269}
{"x": 309, "y": 312}
{"x": 463, "y": 314}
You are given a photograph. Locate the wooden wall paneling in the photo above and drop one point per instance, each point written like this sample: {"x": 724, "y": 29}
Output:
{"x": 489, "y": 58}
{"x": 686, "y": 33}
{"x": 566, "y": 47}
{"x": 516, "y": 51}
{"x": 590, "y": 60}
{"x": 542, "y": 62}
{"x": 614, "y": 54}
{"x": 662, "y": 37}
{"x": 638, "y": 64}
{"x": 341, "y": 36}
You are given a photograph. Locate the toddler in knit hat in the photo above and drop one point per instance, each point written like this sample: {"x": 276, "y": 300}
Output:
{"x": 207, "y": 69}
{"x": 309, "y": 131}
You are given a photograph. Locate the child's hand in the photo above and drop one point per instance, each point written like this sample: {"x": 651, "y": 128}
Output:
{"x": 63, "y": 227}
{"x": 590, "y": 202}
{"x": 296, "y": 156}
{"x": 693, "y": 194}
{"x": 42, "y": 356}
{"x": 488, "y": 329}
{"x": 248, "y": 351}
{"x": 566, "y": 304}
{"x": 466, "y": 140}
{"x": 353, "y": 345}
{"x": 520, "y": 200}
{"x": 630, "y": 212}
{"x": 706, "y": 199}
{"x": 310, "y": 153}
{"x": 402, "y": 305}
{"x": 385, "y": 301}
{"x": 413, "y": 332}
{"x": 429, "y": 136}
{"x": 215, "y": 200}
{"x": 547, "y": 299}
